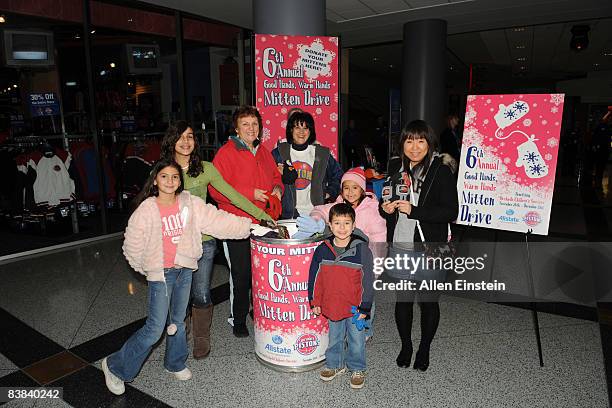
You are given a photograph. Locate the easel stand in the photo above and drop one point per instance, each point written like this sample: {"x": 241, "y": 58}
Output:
{"x": 534, "y": 305}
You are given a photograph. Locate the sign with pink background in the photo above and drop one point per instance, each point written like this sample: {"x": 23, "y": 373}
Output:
{"x": 286, "y": 332}
{"x": 297, "y": 72}
{"x": 508, "y": 161}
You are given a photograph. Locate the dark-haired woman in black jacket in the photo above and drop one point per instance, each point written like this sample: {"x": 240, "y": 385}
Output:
{"x": 422, "y": 194}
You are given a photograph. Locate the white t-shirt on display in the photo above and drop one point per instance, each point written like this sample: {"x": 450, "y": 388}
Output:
{"x": 303, "y": 162}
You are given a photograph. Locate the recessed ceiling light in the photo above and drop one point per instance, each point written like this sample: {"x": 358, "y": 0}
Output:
{"x": 130, "y": 20}
{"x": 521, "y": 59}
{"x": 375, "y": 59}
{"x": 523, "y": 68}
{"x": 112, "y": 65}
{"x": 71, "y": 83}
{"x": 14, "y": 85}
{"x": 518, "y": 29}
{"x": 77, "y": 36}
{"x": 520, "y": 47}
{"x": 2, "y": 19}
{"x": 391, "y": 66}
{"x": 595, "y": 65}
{"x": 607, "y": 53}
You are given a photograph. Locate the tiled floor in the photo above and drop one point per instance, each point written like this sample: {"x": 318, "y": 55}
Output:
{"x": 61, "y": 313}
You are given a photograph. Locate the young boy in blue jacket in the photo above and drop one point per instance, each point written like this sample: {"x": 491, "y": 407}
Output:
{"x": 341, "y": 277}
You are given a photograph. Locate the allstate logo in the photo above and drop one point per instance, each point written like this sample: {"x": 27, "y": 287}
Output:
{"x": 510, "y": 212}
{"x": 276, "y": 339}
{"x": 306, "y": 344}
{"x": 532, "y": 218}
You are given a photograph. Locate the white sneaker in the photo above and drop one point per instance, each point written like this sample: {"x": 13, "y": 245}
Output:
{"x": 183, "y": 375}
{"x": 113, "y": 383}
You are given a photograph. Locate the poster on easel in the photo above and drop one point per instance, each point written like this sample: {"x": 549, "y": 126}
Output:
{"x": 297, "y": 72}
{"x": 508, "y": 159}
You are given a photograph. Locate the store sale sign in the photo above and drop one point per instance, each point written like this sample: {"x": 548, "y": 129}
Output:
{"x": 508, "y": 161}
{"x": 297, "y": 72}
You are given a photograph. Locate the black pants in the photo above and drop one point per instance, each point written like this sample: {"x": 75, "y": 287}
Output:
{"x": 430, "y": 316}
{"x": 240, "y": 258}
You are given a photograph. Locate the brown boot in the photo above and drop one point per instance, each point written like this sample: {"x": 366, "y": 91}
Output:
{"x": 201, "y": 319}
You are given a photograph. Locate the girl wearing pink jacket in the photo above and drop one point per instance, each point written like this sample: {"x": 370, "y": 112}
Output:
{"x": 368, "y": 219}
{"x": 163, "y": 241}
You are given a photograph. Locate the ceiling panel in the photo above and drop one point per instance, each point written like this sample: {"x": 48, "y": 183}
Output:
{"x": 349, "y": 8}
{"x": 425, "y": 3}
{"x": 333, "y": 16}
{"x": 386, "y": 6}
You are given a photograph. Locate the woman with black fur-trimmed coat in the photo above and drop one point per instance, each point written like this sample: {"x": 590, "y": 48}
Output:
{"x": 423, "y": 193}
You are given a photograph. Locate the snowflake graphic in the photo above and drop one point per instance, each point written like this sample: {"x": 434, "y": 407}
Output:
{"x": 510, "y": 114}
{"x": 333, "y": 129}
{"x": 548, "y": 156}
{"x": 502, "y": 144}
{"x": 536, "y": 169}
{"x": 284, "y": 111}
{"x": 290, "y": 46}
{"x": 527, "y": 122}
{"x": 507, "y": 160}
{"x": 334, "y": 40}
{"x": 266, "y": 135}
{"x": 531, "y": 157}
{"x": 471, "y": 98}
{"x": 485, "y": 122}
{"x": 256, "y": 261}
{"x": 557, "y": 99}
{"x": 552, "y": 142}
{"x": 318, "y": 111}
{"x": 554, "y": 109}
{"x": 284, "y": 124}
{"x": 488, "y": 101}
{"x": 333, "y": 116}
{"x": 267, "y": 121}
{"x": 545, "y": 122}
{"x": 520, "y": 106}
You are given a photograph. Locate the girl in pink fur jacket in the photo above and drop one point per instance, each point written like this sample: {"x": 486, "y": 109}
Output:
{"x": 368, "y": 219}
{"x": 163, "y": 241}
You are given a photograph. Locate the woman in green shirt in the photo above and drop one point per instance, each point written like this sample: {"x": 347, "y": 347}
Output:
{"x": 180, "y": 144}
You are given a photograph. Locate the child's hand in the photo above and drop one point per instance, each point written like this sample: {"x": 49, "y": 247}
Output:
{"x": 316, "y": 310}
{"x": 361, "y": 316}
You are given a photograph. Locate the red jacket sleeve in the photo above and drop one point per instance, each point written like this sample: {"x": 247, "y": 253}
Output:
{"x": 226, "y": 162}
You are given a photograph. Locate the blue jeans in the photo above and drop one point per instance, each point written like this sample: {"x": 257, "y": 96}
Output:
{"x": 355, "y": 352}
{"x": 200, "y": 285}
{"x": 167, "y": 305}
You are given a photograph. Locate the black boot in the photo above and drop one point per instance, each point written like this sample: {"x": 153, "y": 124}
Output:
{"x": 240, "y": 330}
{"x": 421, "y": 361}
{"x": 404, "y": 357}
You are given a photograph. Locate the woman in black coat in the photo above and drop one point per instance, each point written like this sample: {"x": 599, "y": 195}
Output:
{"x": 422, "y": 194}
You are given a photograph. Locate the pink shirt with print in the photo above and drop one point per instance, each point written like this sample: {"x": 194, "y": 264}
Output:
{"x": 172, "y": 229}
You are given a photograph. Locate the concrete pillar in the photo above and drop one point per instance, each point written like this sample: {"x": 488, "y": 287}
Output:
{"x": 424, "y": 73}
{"x": 291, "y": 17}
